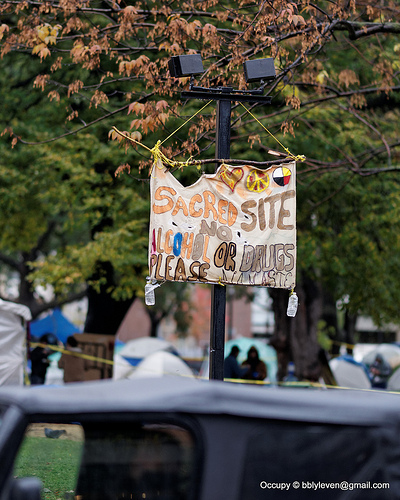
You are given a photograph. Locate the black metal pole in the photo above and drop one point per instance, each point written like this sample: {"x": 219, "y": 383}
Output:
{"x": 218, "y": 293}
{"x": 224, "y": 97}
{"x": 230, "y": 293}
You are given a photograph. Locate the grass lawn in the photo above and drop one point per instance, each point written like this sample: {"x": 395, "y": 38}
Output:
{"x": 54, "y": 461}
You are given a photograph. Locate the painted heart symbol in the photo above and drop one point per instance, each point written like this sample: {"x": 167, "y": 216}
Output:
{"x": 231, "y": 177}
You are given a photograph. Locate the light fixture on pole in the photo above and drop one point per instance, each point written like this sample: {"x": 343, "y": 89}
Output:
{"x": 259, "y": 70}
{"x": 254, "y": 70}
{"x": 188, "y": 65}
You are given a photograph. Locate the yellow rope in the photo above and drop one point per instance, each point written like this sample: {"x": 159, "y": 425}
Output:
{"x": 295, "y": 157}
{"x": 157, "y": 154}
{"x": 130, "y": 138}
{"x": 187, "y": 121}
{"x": 160, "y": 159}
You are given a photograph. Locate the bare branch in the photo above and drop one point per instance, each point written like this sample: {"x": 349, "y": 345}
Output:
{"x": 39, "y": 307}
{"x": 74, "y": 132}
{"x": 359, "y": 30}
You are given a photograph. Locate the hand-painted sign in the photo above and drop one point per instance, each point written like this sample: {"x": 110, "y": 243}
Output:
{"x": 237, "y": 226}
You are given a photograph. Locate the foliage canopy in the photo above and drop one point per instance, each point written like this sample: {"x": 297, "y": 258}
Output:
{"x": 104, "y": 63}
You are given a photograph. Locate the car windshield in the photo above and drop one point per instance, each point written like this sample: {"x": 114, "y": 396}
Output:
{"x": 109, "y": 461}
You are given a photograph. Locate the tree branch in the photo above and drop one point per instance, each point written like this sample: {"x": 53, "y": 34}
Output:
{"x": 73, "y": 132}
{"x": 39, "y": 308}
{"x": 359, "y": 30}
{"x": 369, "y": 125}
{"x": 9, "y": 261}
{"x": 42, "y": 240}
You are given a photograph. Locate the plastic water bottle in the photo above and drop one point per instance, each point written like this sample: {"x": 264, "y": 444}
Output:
{"x": 149, "y": 295}
{"x": 292, "y": 305}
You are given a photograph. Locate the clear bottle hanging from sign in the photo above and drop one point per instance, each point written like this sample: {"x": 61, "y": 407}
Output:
{"x": 149, "y": 295}
{"x": 292, "y": 304}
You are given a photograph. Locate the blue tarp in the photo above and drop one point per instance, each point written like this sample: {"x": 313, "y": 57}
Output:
{"x": 55, "y": 323}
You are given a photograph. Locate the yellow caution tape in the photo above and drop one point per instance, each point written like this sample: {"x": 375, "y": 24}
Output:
{"x": 72, "y": 353}
{"x": 304, "y": 383}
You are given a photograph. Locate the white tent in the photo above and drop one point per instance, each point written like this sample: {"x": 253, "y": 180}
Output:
{"x": 394, "y": 381}
{"x": 390, "y": 352}
{"x": 12, "y": 342}
{"x": 349, "y": 373}
{"x": 143, "y": 346}
{"x": 161, "y": 364}
{"x": 122, "y": 368}
{"x": 134, "y": 351}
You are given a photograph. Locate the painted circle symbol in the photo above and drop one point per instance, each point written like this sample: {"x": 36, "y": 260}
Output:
{"x": 282, "y": 176}
{"x": 257, "y": 181}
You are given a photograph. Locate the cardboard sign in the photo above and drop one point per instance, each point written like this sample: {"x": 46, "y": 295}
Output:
{"x": 237, "y": 226}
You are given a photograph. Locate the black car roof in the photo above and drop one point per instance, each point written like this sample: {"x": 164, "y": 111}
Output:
{"x": 183, "y": 395}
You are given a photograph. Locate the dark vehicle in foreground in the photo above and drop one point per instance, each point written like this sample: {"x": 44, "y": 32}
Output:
{"x": 182, "y": 439}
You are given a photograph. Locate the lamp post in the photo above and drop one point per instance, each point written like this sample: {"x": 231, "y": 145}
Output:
{"x": 256, "y": 70}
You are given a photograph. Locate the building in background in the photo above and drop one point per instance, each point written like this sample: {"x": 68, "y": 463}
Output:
{"x": 243, "y": 319}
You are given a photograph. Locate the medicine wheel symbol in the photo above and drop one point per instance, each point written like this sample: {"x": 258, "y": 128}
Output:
{"x": 257, "y": 181}
{"x": 282, "y": 176}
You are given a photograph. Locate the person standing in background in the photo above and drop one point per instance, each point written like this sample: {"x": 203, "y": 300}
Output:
{"x": 257, "y": 369}
{"x": 231, "y": 365}
{"x": 39, "y": 358}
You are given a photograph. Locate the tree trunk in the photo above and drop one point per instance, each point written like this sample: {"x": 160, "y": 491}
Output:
{"x": 153, "y": 327}
{"x": 280, "y": 337}
{"x": 105, "y": 314}
{"x": 329, "y": 315}
{"x": 156, "y": 316}
{"x": 25, "y": 288}
{"x": 349, "y": 331}
{"x": 296, "y": 338}
{"x": 303, "y": 333}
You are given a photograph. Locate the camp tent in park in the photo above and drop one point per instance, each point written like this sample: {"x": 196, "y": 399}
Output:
{"x": 266, "y": 353}
{"x": 134, "y": 351}
{"x": 350, "y": 373}
{"x": 161, "y": 364}
{"x": 12, "y": 342}
{"x": 393, "y": 383}
{"x": 390, "y": 352}
{"x": 55, "y": 323}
